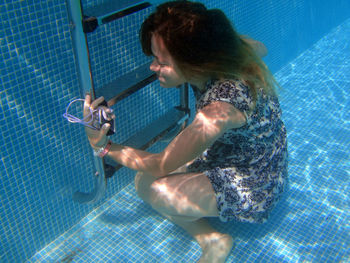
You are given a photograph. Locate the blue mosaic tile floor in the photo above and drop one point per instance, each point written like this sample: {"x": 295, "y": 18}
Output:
{"x": 310, "y": 225}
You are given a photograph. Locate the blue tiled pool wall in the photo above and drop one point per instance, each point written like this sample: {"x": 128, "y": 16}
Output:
{"x": 286, "y": 27}
{"x": 43, "y": 158}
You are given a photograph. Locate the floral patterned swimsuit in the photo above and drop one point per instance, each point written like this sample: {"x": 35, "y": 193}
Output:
{"x": 247, "y": 166}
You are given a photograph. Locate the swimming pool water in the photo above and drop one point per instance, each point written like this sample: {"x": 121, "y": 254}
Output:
{"x": 311, "y": 224}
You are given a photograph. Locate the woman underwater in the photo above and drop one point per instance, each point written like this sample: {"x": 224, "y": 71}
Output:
{"x": 231, "y": 161}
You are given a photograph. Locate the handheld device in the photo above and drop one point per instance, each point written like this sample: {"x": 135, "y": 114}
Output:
{"x": 95, "y": 119}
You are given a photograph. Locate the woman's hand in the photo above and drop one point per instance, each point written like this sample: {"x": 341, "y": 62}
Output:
{"x": 97, "y": 138}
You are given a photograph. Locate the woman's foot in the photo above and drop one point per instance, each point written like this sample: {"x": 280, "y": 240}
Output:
{"x": 215, "y": 247}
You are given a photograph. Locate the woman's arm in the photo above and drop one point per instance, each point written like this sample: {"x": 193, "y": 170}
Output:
{"x": 259, "y": 47}
{"x": 209, "y": 124}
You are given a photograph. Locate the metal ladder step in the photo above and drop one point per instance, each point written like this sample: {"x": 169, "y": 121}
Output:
{"x": 110, "y": 11}
{"x": 127, "y": 84}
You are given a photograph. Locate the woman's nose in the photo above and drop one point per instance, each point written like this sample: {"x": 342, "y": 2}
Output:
{"x": 154, "y": 66}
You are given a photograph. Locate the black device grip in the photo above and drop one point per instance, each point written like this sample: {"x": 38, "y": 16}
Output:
{"x": 111, "y": 122}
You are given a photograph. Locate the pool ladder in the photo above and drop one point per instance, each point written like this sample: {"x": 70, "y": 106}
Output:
{"x": 167, "y": 126}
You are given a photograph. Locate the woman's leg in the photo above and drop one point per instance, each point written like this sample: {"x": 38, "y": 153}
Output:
{"x": 185, "y": 199}
{"x": 215, "y": 245}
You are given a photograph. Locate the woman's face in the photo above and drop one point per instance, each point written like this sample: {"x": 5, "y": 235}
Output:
{"x": 169, "y": 75}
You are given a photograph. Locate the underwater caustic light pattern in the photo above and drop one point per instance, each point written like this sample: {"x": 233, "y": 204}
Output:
{"x": 311, "y": 224}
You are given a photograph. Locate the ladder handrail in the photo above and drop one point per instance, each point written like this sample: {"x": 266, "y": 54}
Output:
{"x": 174, "y": 121}
{"x": 86, "y": 82}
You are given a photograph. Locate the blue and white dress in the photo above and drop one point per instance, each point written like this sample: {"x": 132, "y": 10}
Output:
{"x": 247, "y": 166}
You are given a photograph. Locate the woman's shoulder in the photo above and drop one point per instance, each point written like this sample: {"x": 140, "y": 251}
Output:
{"x": 234, "y": 91}
{"x": 229, "y": 88}
{"x": 234, "y": 82}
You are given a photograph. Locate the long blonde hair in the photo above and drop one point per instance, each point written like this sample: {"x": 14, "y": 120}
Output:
{"x": 203, "y": 42}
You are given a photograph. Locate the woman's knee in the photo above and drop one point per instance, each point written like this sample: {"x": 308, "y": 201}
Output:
{"x": 162, "y": 197}
{"x": 143, "y": 185}
{"x": 148, "y": 188}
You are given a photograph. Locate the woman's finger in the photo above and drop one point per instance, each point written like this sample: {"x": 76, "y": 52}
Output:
{"x": 105, "y": 128}
{"x": 87, "y": 103}
{"x": 97, "y": 102}
{"x": 108, "y": 114}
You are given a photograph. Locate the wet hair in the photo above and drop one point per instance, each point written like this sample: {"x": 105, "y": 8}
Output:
{"x": 203, "y": 42}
